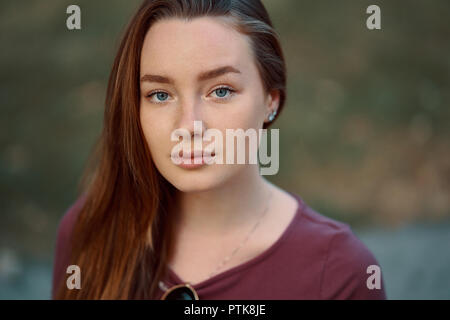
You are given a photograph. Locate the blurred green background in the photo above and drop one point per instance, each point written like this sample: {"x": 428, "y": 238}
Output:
{"x": 365, "y": 135}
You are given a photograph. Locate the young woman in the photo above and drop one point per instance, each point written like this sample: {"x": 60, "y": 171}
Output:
{"x": 145, "y": 227}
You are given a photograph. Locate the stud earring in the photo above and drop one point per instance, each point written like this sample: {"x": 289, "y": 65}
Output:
{"x": 272, "y": 115}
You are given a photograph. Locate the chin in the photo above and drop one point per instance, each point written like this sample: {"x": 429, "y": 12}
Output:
{"x": 197, "y": 180}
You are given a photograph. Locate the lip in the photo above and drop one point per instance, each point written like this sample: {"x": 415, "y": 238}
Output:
{"x": 194, "y": 157}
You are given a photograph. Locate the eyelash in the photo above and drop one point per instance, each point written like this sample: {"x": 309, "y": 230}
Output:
{"x": 231, "y": 90}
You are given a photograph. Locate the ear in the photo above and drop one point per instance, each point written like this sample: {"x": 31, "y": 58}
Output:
{"x": 272, "y": 102}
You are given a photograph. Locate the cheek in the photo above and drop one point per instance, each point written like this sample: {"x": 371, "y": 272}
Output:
{"x": 250, "y": 114}
{"x": 145, "y": 125}
{"x": 154, "y": 132}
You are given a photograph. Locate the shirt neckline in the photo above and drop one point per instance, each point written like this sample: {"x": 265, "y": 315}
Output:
{"x": 175, "y": 279}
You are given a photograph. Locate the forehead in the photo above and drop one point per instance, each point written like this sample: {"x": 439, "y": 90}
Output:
{"x": 176, "y": 45}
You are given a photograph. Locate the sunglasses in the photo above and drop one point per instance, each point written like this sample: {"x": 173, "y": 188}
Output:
{"x": 180, "y": 292}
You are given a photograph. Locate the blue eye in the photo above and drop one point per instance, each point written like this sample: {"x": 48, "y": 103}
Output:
{"x": 160, "y": 95}
{"x": 222, "y": 92}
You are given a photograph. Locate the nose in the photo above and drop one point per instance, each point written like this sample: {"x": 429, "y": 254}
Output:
{"x": 190, "y": 118}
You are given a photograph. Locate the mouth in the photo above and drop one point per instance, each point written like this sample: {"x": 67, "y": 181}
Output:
{"x": 196, "y": 154}
{"x": 194, "y": 160}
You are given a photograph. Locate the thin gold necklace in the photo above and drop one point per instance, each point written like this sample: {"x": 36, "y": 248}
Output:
{"x": 164, "y": 287}
{"x": 228, "y": 258}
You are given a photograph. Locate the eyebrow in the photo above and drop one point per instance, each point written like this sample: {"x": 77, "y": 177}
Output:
{"x": 201, "y": 77}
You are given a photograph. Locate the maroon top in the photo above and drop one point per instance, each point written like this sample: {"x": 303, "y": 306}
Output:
{"x": 316, "y": 257}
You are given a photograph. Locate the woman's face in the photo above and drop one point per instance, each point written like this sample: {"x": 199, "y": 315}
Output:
{"x": 175, "y": 55}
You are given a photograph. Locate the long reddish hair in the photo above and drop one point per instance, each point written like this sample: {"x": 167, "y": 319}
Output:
{"x": 122, "y": 238}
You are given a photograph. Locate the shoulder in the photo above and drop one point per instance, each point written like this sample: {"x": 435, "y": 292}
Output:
{"x": 68, "y": 219}
{"x": 343, "y": 260}
{"x": 318, "y": 228}
{"x": 62, "y": 246}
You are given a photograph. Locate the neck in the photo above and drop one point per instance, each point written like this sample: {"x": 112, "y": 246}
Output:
{"x": 238, "y": 202}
